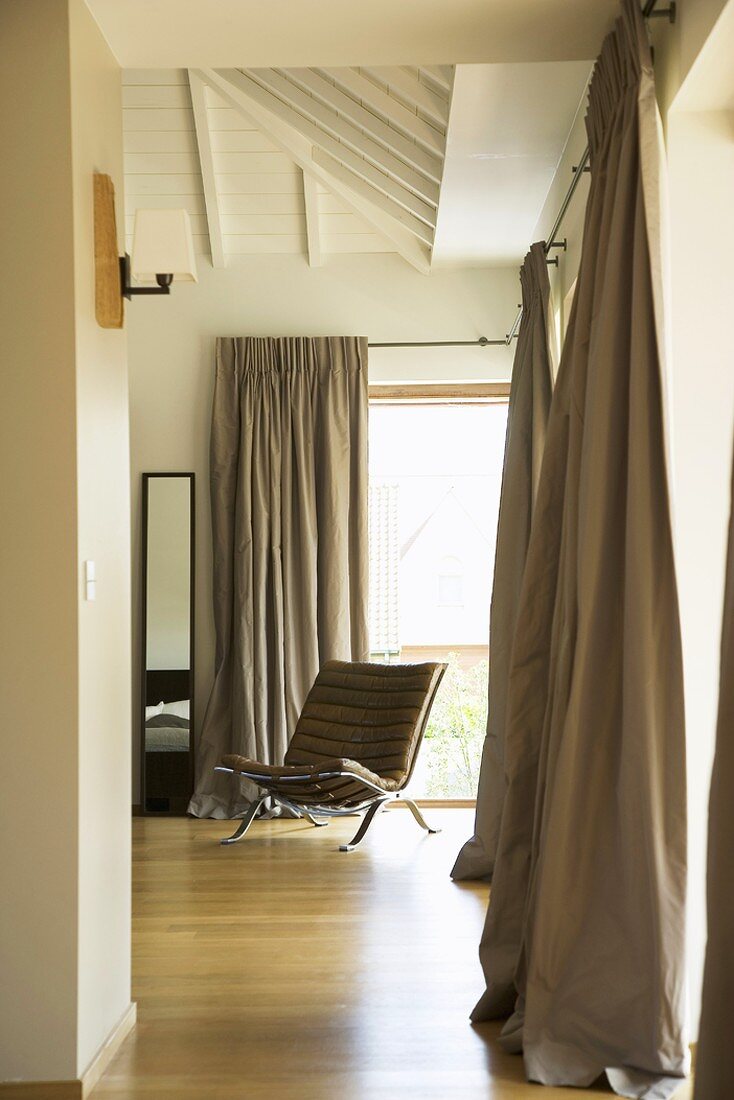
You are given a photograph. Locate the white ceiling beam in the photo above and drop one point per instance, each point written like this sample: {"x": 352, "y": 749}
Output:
{"x": 418, "y": 228}
{"x": 430, "y": 163}
{"x": 375, "y": 95}
{"x": 326, "y": 119}
{"x": 435, "y": 106}
{"x": 203, "y": 138}
{"x": 255, "y": 93}
{"x": 300, "y": 150}
{"x": 313, "y": 227}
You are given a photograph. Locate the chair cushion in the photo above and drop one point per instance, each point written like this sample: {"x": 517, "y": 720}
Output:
{"x": 316, "y": 787}
{"x": 311, "y": 772}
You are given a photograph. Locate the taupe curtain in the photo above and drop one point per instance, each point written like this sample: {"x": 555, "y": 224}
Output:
{"x": 527, "y": 419}
{"x": 289, "y": 479}
{"x": 715, "y": 1063}
{"x": 584, "y": 941}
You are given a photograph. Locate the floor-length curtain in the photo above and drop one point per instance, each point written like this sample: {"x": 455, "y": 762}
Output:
{"x": 715, "y": 1062}
{"x": 584, "y": 941}
{"x": 289, "y": 492}
{"x": 527, "y": 419}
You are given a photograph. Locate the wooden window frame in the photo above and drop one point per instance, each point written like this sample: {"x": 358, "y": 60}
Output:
{"x": 440, "y": 393}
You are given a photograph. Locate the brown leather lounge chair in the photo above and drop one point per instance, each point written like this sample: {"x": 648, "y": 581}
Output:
{"x": 354, "y": 747}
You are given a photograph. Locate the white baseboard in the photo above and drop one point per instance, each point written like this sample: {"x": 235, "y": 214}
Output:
{"x": 108, "y": 1050}
{"x": 80, "y": 1087}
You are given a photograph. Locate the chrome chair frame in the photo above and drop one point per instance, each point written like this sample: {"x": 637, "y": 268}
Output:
{"x": 369, "y": 808}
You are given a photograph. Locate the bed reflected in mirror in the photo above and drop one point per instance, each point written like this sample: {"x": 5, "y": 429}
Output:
{"x": 167, "y": 646}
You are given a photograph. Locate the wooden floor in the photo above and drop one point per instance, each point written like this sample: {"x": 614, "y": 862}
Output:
{"x": 283, "y": 969}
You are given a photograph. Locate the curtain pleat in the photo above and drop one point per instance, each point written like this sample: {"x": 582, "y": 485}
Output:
{"x": 715, "y": 1061}
{"x": 584, "y": 942}
{"x": 527, "y": 419}
{"x": 289, "y": 492}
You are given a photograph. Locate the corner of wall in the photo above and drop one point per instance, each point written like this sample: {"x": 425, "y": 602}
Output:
{"x": 103, "y": 495}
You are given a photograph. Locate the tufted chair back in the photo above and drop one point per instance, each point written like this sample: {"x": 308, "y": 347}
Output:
{"x": 374, "y": 714}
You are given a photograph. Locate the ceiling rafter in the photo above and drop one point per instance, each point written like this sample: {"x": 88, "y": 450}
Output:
{"x": 440, "y": 75}
{"x": 206, "y": 159}
{"x": 331, "y": 123}
{"x": 283, "y": 129}
{"x": 313, "y": 226}
{"x": 409, "y": 87}
{"x": 336, "y": 170}
{"x": 377, "y": 98}
{"x": 430, "y": 163}
{"x": 362, "y": 168}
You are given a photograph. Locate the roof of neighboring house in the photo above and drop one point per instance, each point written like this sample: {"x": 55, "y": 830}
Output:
{"x": 448, "y": 495}
{"x": 384, "y": 567}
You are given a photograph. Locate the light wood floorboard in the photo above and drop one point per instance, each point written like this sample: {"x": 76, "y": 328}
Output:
{"x": 283, "y": 969}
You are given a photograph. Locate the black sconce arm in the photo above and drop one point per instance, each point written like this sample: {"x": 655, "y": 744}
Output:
{"x": 164, "y": 281}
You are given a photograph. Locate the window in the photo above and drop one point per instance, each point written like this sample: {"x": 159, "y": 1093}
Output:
{"x": 450, "y": 582}
{"x": 436, "y": 457}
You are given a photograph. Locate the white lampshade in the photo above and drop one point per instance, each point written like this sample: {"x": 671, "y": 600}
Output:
{"x": 163, "y": 245}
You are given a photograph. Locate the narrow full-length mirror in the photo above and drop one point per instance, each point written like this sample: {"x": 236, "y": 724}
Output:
{"x": 167, "y": 648}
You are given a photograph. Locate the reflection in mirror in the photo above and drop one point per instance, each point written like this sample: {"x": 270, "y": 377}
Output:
{"x": 167, "y": 665}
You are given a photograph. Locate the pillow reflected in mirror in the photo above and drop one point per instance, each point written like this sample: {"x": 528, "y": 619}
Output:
{"x": 179, "y": 707}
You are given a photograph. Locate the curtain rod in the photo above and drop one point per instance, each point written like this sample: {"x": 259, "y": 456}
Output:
{"x": 649, "y": 11}
{"x": 578, "y": 173}
{"x": 482, "y": 342}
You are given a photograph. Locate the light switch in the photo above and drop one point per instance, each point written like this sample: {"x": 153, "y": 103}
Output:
{"x": 90, "y": 581}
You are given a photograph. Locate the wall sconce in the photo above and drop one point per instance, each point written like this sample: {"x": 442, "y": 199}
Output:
{"x": 163, "y": 249}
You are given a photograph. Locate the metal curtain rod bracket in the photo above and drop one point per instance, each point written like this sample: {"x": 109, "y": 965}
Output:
{"x": 563, "y": 245}
{"x": 651, "y": 12}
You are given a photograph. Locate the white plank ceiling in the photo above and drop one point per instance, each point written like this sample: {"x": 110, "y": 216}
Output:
{"x": 304, "y": 161}
{"x": 443, "y": 165}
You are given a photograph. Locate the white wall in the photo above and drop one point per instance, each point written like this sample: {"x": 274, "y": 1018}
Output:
{"x": 696, "y": 91}
{"x": 702, "y": 183}
{"x": 678, "y": 46}
{"x": 171, "y": 344}
{"x": 64, "y": 706}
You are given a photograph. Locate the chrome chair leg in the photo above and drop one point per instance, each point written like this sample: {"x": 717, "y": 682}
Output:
{"x": 299, "y": 811}
{"x": 246, "y": 822}
{"x": 309, "y": 817}
{"x": 364, "y": 826}
{"x": 418, "y": 815}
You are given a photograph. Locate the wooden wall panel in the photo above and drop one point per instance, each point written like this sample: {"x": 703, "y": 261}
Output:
{"x": 108, "y": 300}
